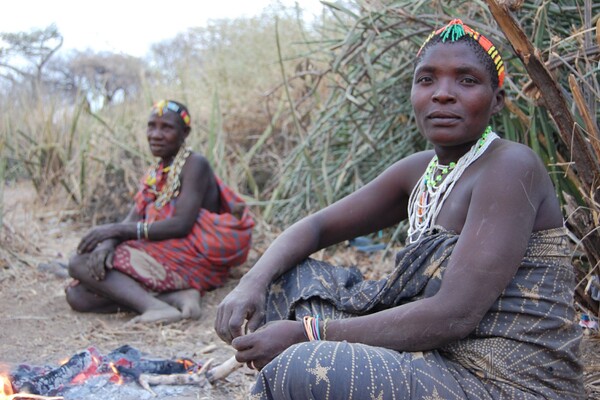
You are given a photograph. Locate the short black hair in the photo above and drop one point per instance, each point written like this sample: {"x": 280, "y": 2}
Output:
{"x": 482, "y": 55}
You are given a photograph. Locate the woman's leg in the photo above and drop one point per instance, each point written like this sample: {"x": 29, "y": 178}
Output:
{"x": 82, "y": 300}
{"x": 122, "y": 290}
{"x": 188, "y": 301}
{"x": 341, "y": 370}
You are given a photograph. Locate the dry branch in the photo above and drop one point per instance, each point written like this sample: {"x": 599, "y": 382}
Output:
{"x": 587, "y": 167}
{"x": 199, "y": 378}
{"x": 223, "y": 370}
{"x": 584, "y": 155}
{"x": 590, "y": 124}
{"x": 172, "y": 379}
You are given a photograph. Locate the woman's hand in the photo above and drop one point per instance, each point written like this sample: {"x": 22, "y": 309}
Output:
{"x": 260, "y": 347}
{"x": 99, "y": 261}
{"x": 245, "y": 302}
{"x": 97, "y": 235}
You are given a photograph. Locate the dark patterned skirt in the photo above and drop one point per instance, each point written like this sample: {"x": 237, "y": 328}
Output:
{"x": 531, "y": 354}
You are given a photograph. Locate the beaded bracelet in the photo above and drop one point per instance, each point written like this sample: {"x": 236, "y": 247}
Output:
{"x": 139, "y": 230}
{"x": 146, "y": 230}
{"x": 311, "y": 327}
{"x": 325, "y": 328}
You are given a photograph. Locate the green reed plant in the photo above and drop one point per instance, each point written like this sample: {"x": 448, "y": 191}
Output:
{"x": 366, "y": 122}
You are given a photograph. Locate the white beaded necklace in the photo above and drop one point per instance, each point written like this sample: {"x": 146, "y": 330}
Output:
{"x": 429, "y": 193}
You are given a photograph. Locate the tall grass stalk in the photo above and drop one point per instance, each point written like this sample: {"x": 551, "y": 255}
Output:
{"x": 2, "y": 180}
{"x": 366, "y": 123}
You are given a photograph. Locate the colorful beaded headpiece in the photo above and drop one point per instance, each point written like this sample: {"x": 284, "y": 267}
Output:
{"x": 456, "y": 29}
{"x": 160, "y": 107}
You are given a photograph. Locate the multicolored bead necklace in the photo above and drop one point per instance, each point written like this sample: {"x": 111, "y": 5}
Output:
{"x": 433, "y": 189}
{"x": 171, "y": 187}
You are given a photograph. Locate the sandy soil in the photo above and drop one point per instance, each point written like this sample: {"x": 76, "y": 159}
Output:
{"x": 37, "y": 326}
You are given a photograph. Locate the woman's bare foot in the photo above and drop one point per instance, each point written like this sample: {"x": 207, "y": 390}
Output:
{"x": 188, "y": 301}
{"x": 166, "y": 314}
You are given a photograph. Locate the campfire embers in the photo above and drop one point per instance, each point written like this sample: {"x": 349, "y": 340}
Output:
{"x": 125, "y": 364}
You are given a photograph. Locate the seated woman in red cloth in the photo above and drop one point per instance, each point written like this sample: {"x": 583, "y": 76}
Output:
{"x": 181, "y": 237}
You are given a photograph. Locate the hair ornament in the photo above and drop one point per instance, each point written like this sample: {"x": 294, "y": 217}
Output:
{"x": 162, "y": 106}
{"x": 457, "y": 29}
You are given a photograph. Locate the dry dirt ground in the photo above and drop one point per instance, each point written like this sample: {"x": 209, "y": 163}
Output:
{"x": 37, "y": 327}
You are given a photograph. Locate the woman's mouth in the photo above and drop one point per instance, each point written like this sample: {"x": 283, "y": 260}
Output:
{"x": 443, "y": 118}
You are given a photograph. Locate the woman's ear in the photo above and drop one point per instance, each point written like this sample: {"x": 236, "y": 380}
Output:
{"x": 498, "y": 101}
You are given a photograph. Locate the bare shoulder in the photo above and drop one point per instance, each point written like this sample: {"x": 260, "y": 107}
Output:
{"x": 514, "y": 159}
{"x": 197, "y": 173}
{"x": 197, "y": 162}
{"x": 199, "y": 184}
{"x": 513, "y": 170}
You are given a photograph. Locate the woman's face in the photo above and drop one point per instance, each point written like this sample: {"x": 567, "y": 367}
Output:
{"x": 165, "y": 135}
{"x": 452, "y": 95}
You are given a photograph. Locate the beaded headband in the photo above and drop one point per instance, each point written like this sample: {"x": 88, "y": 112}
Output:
{"x": 163, "y": 106}
{"x": 457, "y": 29}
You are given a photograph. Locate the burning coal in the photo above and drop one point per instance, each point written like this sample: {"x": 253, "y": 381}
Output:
{"x": 125, "y": 364}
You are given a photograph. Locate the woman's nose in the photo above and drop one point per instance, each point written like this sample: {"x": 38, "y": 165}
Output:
{"x": 153, "y": 132}
{"x": 443, "y": 92}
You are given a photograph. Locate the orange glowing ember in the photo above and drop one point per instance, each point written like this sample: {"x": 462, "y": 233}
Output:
{"x": 7, "y": 393}
{"x": 117, "y": 375}
{"x": 187, "y": 364}
{"x": 5, "y": 387}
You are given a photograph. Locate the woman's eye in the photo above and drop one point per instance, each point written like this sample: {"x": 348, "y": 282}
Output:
{"x": 469, "y": 80}
{"x": 424, "y": 79}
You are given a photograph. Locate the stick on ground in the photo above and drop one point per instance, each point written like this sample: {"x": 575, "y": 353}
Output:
{"x": 223, "y": 370}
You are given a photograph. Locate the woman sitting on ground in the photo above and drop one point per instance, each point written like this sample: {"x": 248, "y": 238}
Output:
{"x": 480, "y": 303}
{"x": 180, "y": 239}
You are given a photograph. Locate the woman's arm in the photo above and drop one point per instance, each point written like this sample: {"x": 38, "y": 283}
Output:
{"x": 501, "y": 214}
{"x": 503, "y": 208}
{"x": 379, "y": 204}
{"x": 196, "y": 178}
{"x": 107, "y": 236}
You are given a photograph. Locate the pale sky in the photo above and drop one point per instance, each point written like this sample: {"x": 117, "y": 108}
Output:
{"x": 127, "y": 26}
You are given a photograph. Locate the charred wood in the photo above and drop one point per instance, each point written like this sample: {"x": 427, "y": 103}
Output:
{"x": 52, "y": 382}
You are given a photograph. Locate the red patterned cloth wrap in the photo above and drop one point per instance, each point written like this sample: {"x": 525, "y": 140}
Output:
{"x": 200, "y": 260}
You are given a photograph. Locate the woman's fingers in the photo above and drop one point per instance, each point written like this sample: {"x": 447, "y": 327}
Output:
{"x": 248, "y": 351}
{"x": 108, "y": 261}
{"x": 236, "y": 320}
{"x": 221, "y": 327}
{"x": 87, "y": 244}
{"x": 255, "y": 321}
{"x": 82, "y": 246}
{"x": 229, "y": 322}
{"x": 96, "y": 266}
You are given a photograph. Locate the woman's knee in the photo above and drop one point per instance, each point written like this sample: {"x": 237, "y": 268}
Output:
{"x": 291, "y": 375}
{"x": 77, "y": 266}
{"x": 75, "y": 299}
